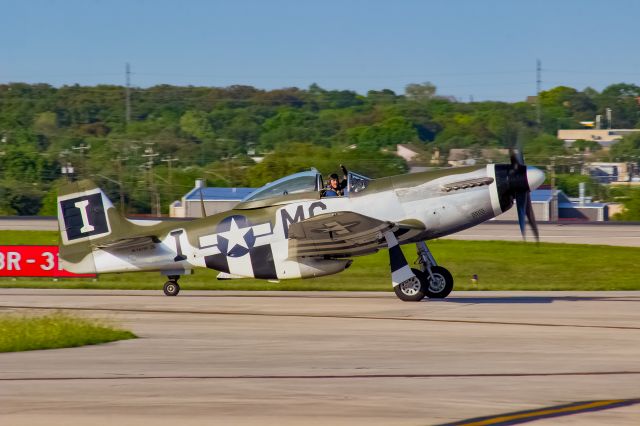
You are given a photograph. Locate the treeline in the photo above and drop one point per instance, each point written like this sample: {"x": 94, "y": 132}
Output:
{"x": 172, "y": 135}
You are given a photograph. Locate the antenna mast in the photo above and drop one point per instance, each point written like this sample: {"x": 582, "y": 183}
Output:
{"x": 128, "y": 94}
{"x": 538, "y": 90}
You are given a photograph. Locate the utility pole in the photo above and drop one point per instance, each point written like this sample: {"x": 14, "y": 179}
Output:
{"x": 118, "y": 160}
{"x": 554, "y": 195}
{"x": 150, "y": 155}
{"x": 538, "y": 90}
{"x": 128, "y": 94}
{"x": 82, "y": 148}
{"x": 169, "y": 160}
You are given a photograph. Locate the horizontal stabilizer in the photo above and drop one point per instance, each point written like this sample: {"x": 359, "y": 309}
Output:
{"x": 226, "y": 276}
{"x": 128, "y": 243}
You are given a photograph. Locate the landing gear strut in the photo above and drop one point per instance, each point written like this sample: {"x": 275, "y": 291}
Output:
{"x": 412, "y": 285}
{"x": 438, "y": 281}
{"x": 171, "y": 287}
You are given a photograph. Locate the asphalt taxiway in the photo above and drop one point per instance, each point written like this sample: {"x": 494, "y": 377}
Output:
{"x": 604, "y": 233}
{"x": 332, "y": 358}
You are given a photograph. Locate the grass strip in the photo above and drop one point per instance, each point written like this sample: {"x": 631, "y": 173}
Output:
{"x": 29, "y": 237}
{"x": 499, "y": 265}
{"x": 56, "y": 330}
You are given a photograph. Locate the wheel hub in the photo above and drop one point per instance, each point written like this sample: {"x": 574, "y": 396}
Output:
{"x": 411, "y": 286}
{"x": 437, "y": 283}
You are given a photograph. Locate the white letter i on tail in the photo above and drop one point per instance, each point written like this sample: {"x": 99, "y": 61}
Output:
{"x": 82, "y": 205}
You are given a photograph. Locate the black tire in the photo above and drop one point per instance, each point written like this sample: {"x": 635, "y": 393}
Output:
{"x": 171, "y": 288}
{"x": 443, "y": 283}
{"x": 412, "y": 291}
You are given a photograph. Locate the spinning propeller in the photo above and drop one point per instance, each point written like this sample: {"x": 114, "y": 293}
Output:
{"x": 521, "y": 180}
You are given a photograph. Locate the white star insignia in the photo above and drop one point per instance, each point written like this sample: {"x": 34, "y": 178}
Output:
{"x": 235, "y": 236}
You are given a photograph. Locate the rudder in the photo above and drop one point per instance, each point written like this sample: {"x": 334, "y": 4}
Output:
{"x": 86, "y": 218}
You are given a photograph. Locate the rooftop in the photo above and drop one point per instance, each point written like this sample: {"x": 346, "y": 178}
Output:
{"x": 219, "y": 194}
{"x": 545, "y": 195}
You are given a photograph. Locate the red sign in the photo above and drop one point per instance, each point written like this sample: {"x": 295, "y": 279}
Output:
{"x": 33, "y": 261}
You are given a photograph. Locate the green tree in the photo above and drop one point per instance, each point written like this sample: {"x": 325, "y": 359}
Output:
{"x": 420, "y": 92}
{"x": 196, "y": 124}
{"x": 570, "y": 184}
{"x": 290, "y": 125}
{"x": 542, "y": 147}
{"x": 582, "y": 145}
{"x": 387, "y": 133}
{"x": 5, "y": 201}
{"x": 622, "y": 98}
{"x": 631, "y": 210}
{"x": 627, "y": 149}
{"x": 46, "y": 123}
{"x": 49, "y": 202}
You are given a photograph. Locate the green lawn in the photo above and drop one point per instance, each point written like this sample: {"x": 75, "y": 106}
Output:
{"x": 57, "y": 330}
{"x": 499, "y": 265}
{"x": 29, "y": 237}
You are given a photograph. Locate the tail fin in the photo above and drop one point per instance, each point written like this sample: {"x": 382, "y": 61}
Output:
{"x": 86, "y": 218}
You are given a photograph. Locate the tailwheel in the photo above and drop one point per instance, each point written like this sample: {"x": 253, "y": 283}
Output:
{"x": 171, "y": 288}
{"x": 413, "y": 289}
{"x": 440, "y": 285}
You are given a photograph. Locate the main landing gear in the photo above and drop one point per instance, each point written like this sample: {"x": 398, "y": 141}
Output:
{"x": 412, "y": 285}
{"x": 171, "y": 287}
{"x": 438, "y": 279}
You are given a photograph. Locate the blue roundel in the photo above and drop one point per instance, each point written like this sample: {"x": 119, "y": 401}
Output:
{"x": 235, "y": 236}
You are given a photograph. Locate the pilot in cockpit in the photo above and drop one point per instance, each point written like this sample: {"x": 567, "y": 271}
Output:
{"x": 335, "y": 187}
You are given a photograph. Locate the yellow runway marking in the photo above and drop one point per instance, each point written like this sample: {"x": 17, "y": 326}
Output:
{"x": 557, "y": 411}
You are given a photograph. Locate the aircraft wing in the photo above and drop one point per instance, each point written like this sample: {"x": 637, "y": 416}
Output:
{"x": 341, "y": 234}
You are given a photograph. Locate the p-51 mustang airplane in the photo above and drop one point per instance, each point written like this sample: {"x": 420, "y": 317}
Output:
{"x": 288, "y": 229}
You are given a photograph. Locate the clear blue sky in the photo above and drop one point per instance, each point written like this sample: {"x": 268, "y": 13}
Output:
{"x": 486, "y": 49}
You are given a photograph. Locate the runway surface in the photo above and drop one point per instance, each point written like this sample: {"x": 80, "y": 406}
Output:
{"x": 334, "y": 358}
{"x": 611, "y": 234}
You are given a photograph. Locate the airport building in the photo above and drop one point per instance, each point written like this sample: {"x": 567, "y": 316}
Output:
{"x": 547, "y": 208}
{"x": 215, "y": 200}
{"x": 611, "y": 172}
{"x": 605, "y": 137}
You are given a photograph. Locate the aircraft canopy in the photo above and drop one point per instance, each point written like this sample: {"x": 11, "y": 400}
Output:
{"x": 307, "y": 181}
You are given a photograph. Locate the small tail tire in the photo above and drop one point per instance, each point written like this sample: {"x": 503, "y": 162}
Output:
{"x": 171, "y": 288}
{"x": 412, "y": 290}
{"x": 441, "y": 285}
